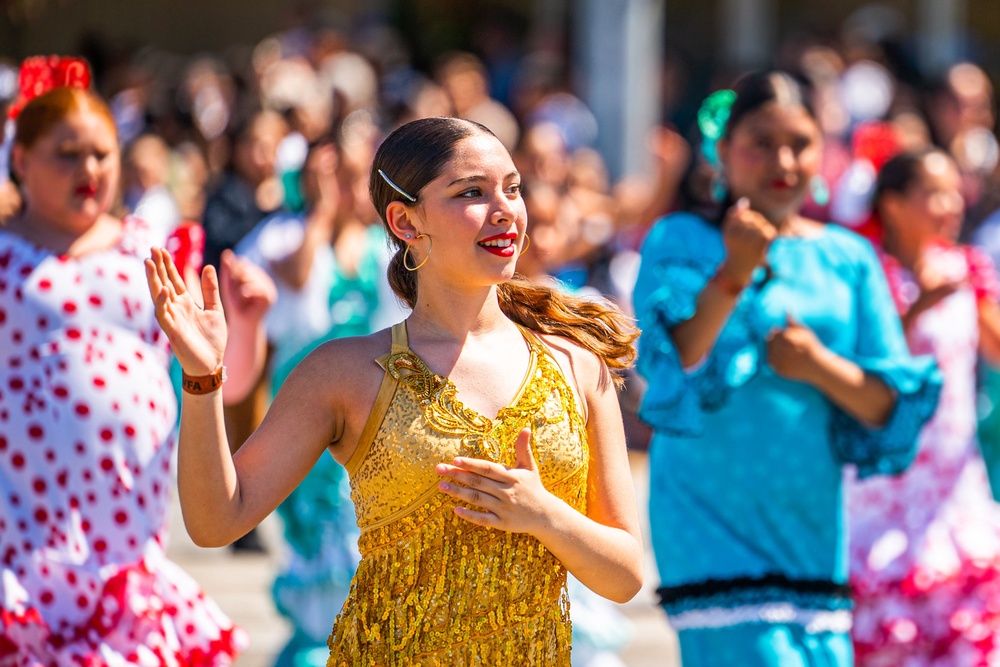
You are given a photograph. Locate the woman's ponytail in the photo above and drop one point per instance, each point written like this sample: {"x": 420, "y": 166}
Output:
{"x": 595, "y": 324}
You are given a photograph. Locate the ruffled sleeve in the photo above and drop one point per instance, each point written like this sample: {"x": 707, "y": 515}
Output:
{"x": 679, "y": 256}
{"x": 882, "y": 351}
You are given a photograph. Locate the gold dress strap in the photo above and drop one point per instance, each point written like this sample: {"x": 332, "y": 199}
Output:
{"x": 399, "y": 340}
{"x": 382, "y": 401}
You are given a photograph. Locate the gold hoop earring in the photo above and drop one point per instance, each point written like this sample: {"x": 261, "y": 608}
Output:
{"x": 527, "y": 244}
{"x": 406, "y": 252}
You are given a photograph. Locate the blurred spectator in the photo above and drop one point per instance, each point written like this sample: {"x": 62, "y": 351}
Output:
{"x": 250, "y": 188}
{"x": 189, "y": 180}
{"x": 423, "y": 99}
{"x": 543, "y": 95}
{"x": 543, "y": 156}
{"x": 208, "y": 97}
{"x": 464, "y": 78}
{"x": 147, "y": 167}
{"x": 962, "y": 121}
{"x": 10, "y": 198}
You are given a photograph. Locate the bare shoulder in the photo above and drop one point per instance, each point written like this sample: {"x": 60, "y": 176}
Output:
{"x": 588, "y": 372}
{"x": 346, "y": 363}
{"x": 341, "y": 378}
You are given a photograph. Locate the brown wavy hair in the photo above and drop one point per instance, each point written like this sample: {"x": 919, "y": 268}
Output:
{"x": 415, "y": 154}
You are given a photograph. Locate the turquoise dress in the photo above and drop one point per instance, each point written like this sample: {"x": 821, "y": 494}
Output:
{"x": 746, "y": 504}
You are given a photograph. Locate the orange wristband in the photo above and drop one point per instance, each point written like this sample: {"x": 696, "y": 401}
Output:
{"x": 203, "y": 384}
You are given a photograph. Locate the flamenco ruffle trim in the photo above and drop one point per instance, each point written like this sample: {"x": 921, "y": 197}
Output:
{"x": 141, "y": 617}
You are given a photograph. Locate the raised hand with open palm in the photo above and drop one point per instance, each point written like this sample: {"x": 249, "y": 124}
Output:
{"x": 197, "y": 334}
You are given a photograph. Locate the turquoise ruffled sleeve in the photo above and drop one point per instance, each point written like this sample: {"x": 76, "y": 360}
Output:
{"x": 679, "y": 256}
{"x": 882, "y": 351}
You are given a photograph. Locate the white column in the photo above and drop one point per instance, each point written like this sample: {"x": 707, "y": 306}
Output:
{"x": 619, "y": 51}
{"x": 941, "y": 31}
{"x": 748, "y": 30}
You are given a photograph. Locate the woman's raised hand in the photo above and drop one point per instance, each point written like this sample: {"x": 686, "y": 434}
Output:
{"x": 320, "y": 179}
{"x": 197, "y": 335}
{"x": 511, "y": 499}
{"x": 934, "y": 287}
{"x": 247, "y": 291}
{"x": 747, "y": 235}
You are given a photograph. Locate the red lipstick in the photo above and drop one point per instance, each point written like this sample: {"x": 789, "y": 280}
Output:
{"x": 86, "y": 190}
{"x": 501, "y": 244}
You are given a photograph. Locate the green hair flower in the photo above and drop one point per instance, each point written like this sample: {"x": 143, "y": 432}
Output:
{"x": 712, "y": 118}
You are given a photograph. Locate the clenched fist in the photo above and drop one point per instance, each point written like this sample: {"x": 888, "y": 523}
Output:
{"x": 746, "y": 235}
{"x": 793, "y": 351}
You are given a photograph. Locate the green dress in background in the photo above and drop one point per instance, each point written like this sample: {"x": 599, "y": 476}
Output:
{"x": 318, "y": 516}
{"x": 989, "y": 424}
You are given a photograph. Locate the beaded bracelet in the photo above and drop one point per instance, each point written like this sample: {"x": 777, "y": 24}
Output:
{"x": 203, "y": 384}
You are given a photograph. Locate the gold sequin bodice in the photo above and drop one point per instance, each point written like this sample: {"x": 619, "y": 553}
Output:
{"x": 432, "y": 588}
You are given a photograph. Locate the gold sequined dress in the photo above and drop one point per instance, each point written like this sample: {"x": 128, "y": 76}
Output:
{"x": 432, "y": 588}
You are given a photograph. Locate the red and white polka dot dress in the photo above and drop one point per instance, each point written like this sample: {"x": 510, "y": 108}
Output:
{"x": 87, "y": 415}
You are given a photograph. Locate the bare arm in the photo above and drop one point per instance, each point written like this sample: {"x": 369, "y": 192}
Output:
{"x": 320, "y": 181}
{"x": 695, "y": 338}
{"x": 989, "y": 331}
{"x": 929, "y": 297}
{"x": 747, "y": 236}
{"x": 222, "y": 498}
{"x": 294, "y": 269}
{"x": 602, "y": 549}
{"x": 246, "y": 293}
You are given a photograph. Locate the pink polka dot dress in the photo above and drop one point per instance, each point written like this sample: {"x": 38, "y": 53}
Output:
{"x": 87, "y": 415}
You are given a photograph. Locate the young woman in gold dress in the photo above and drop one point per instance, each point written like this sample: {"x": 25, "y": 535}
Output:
{"x": 482, "y": 435}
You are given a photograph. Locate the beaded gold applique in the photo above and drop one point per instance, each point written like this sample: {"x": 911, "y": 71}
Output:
{"x": 432, "y": 588}
{"x": 437, "y": 395}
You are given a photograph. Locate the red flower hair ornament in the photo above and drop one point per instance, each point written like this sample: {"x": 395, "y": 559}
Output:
{"x": 40, "y": 74}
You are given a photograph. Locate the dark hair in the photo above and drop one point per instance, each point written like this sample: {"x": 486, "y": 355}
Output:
{"x": 753, "y": 91}
{"x": 415, "y": 154}
{"x": 412, "y": 156}
{"x": 902, "y": 171}
{"x": 756, "y": 89}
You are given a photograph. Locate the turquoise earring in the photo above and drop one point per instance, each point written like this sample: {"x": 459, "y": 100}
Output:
{"x": 719, "y": 187}
{"x": 820, "y": 190}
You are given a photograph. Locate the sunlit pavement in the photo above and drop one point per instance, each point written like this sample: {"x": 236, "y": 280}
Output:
{"x": 241, "y": 586}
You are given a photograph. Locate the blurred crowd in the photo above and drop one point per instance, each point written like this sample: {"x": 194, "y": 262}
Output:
{"x": 200, "y": 133}
{"x": 193, "y": 128}
{"x": 288, "y": 131}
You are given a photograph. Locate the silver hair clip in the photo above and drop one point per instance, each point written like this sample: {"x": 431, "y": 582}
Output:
{"x": 396, "y": 187}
